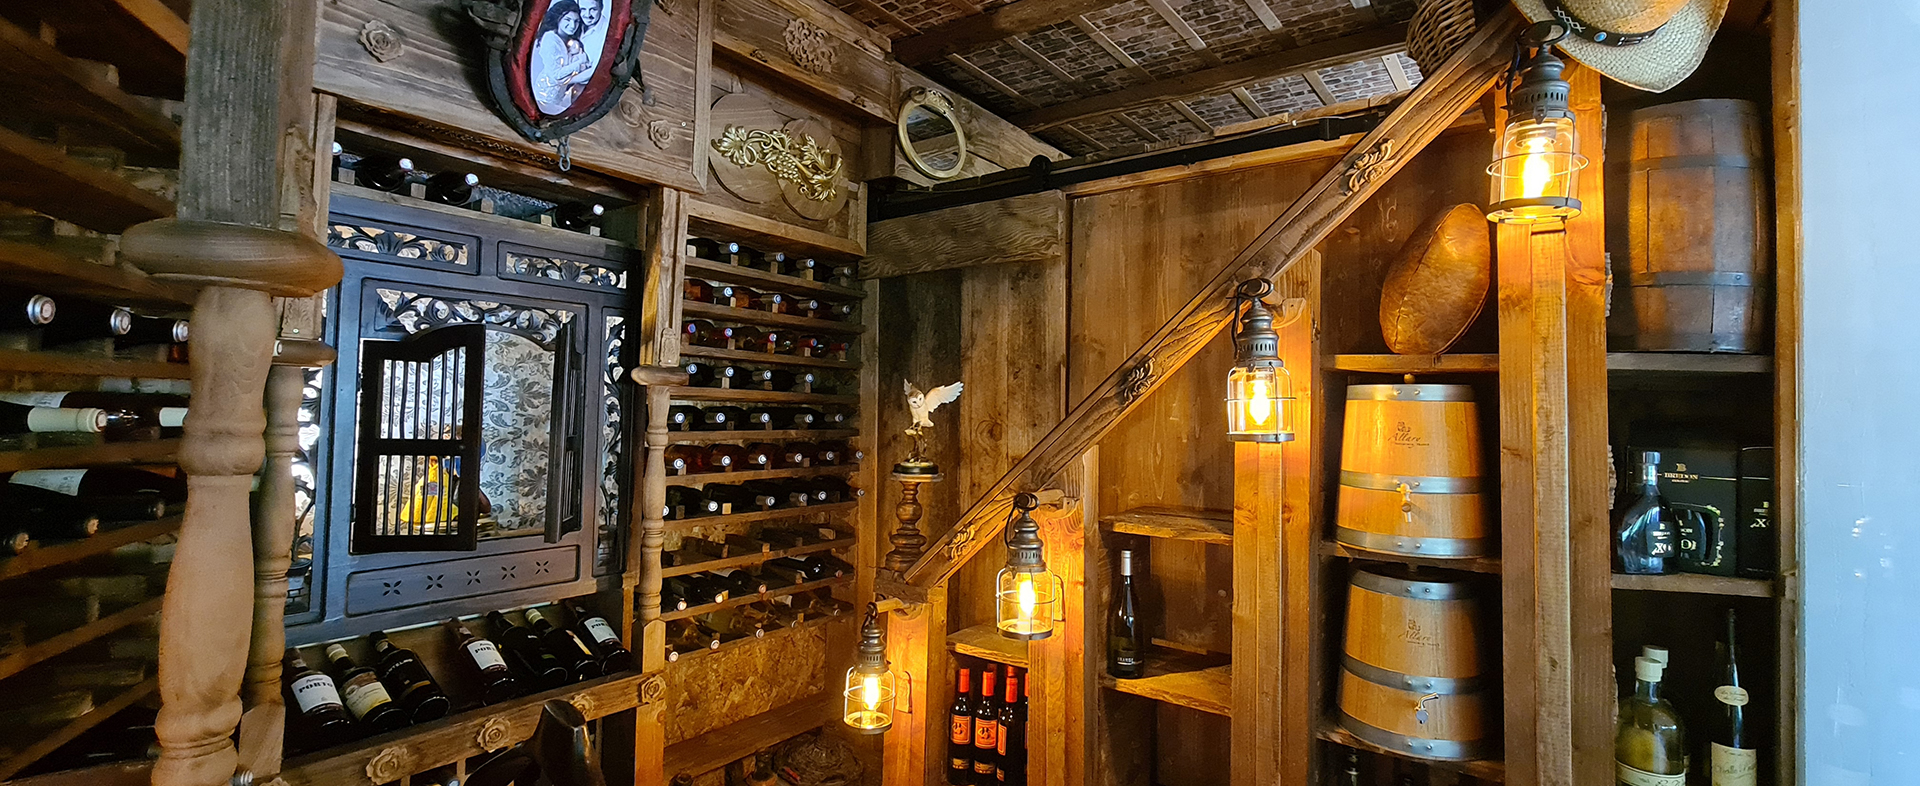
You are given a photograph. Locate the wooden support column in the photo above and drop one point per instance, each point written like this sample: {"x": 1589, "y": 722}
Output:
{"x": 642, "y": 580}
{"x": 915, "y": 748}
{"x": 1056, "y": 665}
{"x": 1259, "y": 486}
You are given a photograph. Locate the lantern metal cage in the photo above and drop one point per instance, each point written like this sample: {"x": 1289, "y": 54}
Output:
{"x": 1027, "y": 595}
{"x": 1259, "y": 388}
{"x": 870, "y": 688}
{"x": 1536, "y": 167}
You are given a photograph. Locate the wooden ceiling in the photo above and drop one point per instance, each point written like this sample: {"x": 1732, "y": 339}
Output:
{"x": 1094, "y": 75}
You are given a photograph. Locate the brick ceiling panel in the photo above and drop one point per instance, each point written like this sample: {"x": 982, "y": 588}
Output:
{"x": 1219, "y": 110}
{"x": 1411, "y": 68}
{"x": 1109, "y": 132}
{"x": 1146, "y": 37}
{"x": 1007, "y": 64}
{"x": 1286, "y": 94}
{"x": 1229, "y": 27}
{"x": 1164, "y": 122}
{"x": 1313, "y": 21}
{"x": 1357, "y": 80}
{"x": 1068, "y": 142}
{"x": 982, "y": 93}
{"x": 1076, "y": 53}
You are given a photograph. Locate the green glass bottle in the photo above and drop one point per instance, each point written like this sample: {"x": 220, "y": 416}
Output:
{"x": 1650, "y": 747}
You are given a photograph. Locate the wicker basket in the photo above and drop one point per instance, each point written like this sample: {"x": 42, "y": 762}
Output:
{"x": 1438, "y": 28}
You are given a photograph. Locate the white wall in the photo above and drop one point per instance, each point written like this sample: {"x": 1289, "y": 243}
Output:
{"x": 1860, "y": 701}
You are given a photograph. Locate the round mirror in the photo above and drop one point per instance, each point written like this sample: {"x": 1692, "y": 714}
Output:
{"x": 930, "y": 134}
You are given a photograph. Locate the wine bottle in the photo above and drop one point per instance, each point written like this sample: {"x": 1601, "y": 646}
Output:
{"x": 770, "y": 302}
{"x": 758, "y": 419}
{"x": 986, "y": 728}
{"x": 782, "y": 493}
{"x": 781, "y": 379}
{"x": 740, "y": 545}
{"x": 684, "y": 638}
{"x": 761, "y": 456}
{"x": 712, "y": 249}
{"x": 729, "y": 625}
{"x": 1124, "y": 640}
{"x": 316, "y": 701}
{"x": 408, "y": 678}
{"x": 800, "y": 266}
{"x": 580, "y": 660}
{"x": 25, "y": 419}
{"x": 748, "y": 338}
{"x": 762, "y": 773}
{"x": 709, "y": 375}
{"x": 843, "y": 275}
{"x": 1731, "y": 751}
{"x": 703, "y": 333}
{"x": 671, "y": 599}
{"x": 734, "y": 296}
{"x": 1010, "y": 763}
{"x": 721, "y": 418}
{"x": 111, "y": 481}
{"x": 828, "y": 489}
{"x": 543, "y": 669}
{"x": 683, "y": 417}
{"x": 697, "y": 589}
{"x": 578, "y": 216}
{"x": 737, "y": 498}
{"x": 452, "y": 188}
{"x": 155, "y": 330}
{"x": 614, "y": 656}
{"x": 383, "y": 172}
{"x": 497, "y": 683}
{"x": 788, "y": 568}
{"x": 834, "y": 453}
{"x": 1650, "y": 747}
{"x": 723, "y": 457}
{"x": 960, "y": 732}
{"x": 740, "y": 583}
{"x": 696, "y": 291}
{"x": 1643, "y": 535}
{"x": 833, "y": 418}
{"x": 34, "y": 504}
{"x": 797, "y": 454}
{"x": 366, "y": 698}
{"x": 686, "y": 460}
{"x": 687, "y": 502}
{"x": 21, "y": 310}
{"x": 832, "y": 565}
{"x": 81, "y": 320}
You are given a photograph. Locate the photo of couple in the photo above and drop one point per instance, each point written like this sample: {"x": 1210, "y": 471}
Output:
{"x": 566, "y": 51}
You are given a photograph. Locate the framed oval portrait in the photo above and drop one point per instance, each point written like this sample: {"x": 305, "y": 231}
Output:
{"x": 556, "y": 66}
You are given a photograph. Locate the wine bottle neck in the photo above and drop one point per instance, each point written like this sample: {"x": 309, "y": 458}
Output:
{"x": 1647, "y": 690}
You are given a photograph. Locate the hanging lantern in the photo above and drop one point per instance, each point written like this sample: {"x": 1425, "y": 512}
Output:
{"x": 1537, "y": 166}
{"x": 870, "y": 685}
{"x": 1027, "y": 595}
{"x": 1259, "y": 389}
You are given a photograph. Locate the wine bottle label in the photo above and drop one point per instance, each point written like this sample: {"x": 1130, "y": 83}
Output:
{"x": 1628, "y": 775}
{"x": 485, "y": 655}
{"x": 601, "y": 631}
{"x": 315, "y": 691}
{"x": 960, "y": 763}
{"x": 983, "y": 768}
{"x": 64, "y": 481}
{"x": 984, "y": 734}
{"x": 173, "y": 417}
{"x": 365, "y": 694}
{"x": 31, "y": 399}
{"x": 1731, "y": 695}
{"x": 1735, "y": 766}
{"x": 962, "y": 732}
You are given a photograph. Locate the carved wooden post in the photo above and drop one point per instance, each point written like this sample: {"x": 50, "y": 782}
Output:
{"x": 908, "y": 543}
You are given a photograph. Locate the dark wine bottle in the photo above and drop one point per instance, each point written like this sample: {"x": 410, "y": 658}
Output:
{"x": 1731, "y": 753}
{"x": 683, "y": 417}
{"x": 960, "y": 732}
{"x": 832, "y": 453}
{"x": 1009, "y": 763}
{"x": 686, "y": 502}
{"x": 543, "y": 669}
{"x": 366, "y": 697}
{"x": 703, "y": 333}
{"x": 748, "y": 338}
{"x": 408, "y": 680}
{"x": 706, "y": 589}
{"x": 685, "y": 637}
{"x": 799, "y": 266}
{"x": 383, "y": 172}
{"x": 20, "y": 310}
{"x": 1643, "y": 535}
{"x": 581, "y": 662}
{"x": 155, "y": 330}
{"x": 670, "y": 599}
{"x": 80, "y": 320}
{"x": 788, "y": 568}
{"x": 986, "y": 727}
{"x": 734, "y": 296}
{"x": 739, "y": 583}
{"x": 781, "y": 494}
{"x": 797, "y": 454}
{"x": 578, "y": 216}
{"x": 696, "y": 291}
{"x": 721, "y": 418}
{"x": 723, "y": 457}
{"x": 770, "y": 302}
{"x": 738, "y": 498}
{"x": 112, "y": 481}
{"x": 28, "y": 419}
{"x": 33, "y": 503}
{"x": 828, "y": 489}
{"x": 762, "y": 455}
{"x": 709, "y": 375}
{"x": 1124, "y": 639}
{"x": 844, "y": 276}
{"x": 613, "y": 655}
{"x": 831, "y": 565}
{"x": 319, "y": 711}
{"x": 497, "y": 683}
{"x": 712, "y": 249}
{"x": 452, "y": 188}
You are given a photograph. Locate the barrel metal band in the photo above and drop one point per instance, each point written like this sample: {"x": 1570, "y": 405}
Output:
{"x": 1704, "y": 278}
{"x": 1404, "y": 588}
{"x": 1409, "y": 393}
{"x": 1444, "y": 750}
{"x": 1738, "y": 342}
{"x": 1417, "y": 484}
{"x": 1445, "y": 686}
{"x": 1408, "y": 544}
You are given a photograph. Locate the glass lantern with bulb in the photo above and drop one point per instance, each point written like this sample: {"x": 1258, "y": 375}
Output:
{"x": 1027, "y": 595}
{"x": 870, "y": 687}
{"x": 1259, "y": 389}
{"x": 1536, "y": 168}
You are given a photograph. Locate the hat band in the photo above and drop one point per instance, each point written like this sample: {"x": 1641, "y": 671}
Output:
{"x": 1594, "y": 33}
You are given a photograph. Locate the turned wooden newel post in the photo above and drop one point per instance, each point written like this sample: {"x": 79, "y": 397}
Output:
{"x": 908, "y": 543}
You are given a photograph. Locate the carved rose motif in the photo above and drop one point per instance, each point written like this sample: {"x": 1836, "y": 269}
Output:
{"x": 390, "y": 764}
{"x": 652, "y": 689}
{"x": 495, "y": 734}
{"x": 810, "y": 47}
{"x": 584, "y": 703}
{"x": 382, "y": 41}
{"x": 631, "y": 110}
{"x": 660, "y": 132}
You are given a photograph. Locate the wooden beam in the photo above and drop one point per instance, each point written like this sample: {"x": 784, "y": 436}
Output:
{"x": 1453, "y": 87}
{"x": 991, "y": 80}
{"x": 1319, "y": 87}
{"x": 1312, "y": 57}
{"x": 1106, "y": 44}
{"x": 1179, "y": 25}
{"x": 1020, "y": 45}
{"x": 966, "y": 33}
{"x": 1246, "y": 100}
{"x": 887, "y": 16}
{"x": 1396, "y": 72}
{"x": 1265, "y": 14}
{"x": 1134, "y": 126}
{"x": 1030, "y": 228}
{"x": 1192, "y": 117}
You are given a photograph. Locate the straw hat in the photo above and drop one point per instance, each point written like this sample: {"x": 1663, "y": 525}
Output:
{"x": 1648, "y": 44}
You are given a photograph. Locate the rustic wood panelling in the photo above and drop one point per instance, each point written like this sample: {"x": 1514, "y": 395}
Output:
{"x": 755, "y": 103}
{"x": 1023, "y": 229}
{"x": 813, "y": 45}
{"x": 738, "y": 682}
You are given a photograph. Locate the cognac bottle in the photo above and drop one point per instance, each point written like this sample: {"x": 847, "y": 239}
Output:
{"x": 1643, "y": 537}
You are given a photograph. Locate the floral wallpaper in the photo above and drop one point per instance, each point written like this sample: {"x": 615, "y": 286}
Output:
{"x": 516, "y": 434}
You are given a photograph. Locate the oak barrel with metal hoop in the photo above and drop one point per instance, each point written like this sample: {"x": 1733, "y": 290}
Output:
{"x": 1698, "y": 230}
{"x": 1410, "y": 472}
{"x": 1412, "y": 679}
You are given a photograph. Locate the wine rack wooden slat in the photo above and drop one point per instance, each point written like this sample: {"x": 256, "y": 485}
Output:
{"x": 749, "y": 316}
{"x": 729, "y": 273}
{"x": 766, "y": 358}
{"x": 757, "y": 516}
{"x": 78, "y": 726}
{"x": 806, "y": 624}
{"x": 159, "y": 451}
{"x": 44, "y": 178}
{"x": 1204, "y": 526}
{"x": 694, "y": 611}
{"x": 1189, "y": 680}
{"x": 1472, "y": 564}
{"x": 77, "y": 365}
{"x": 1698, "y": 585}
{"x": 1418, "y": 364}
{"x": 770, "y": 435}
{"x": 37, "y": 652}
{"x": 986, "y": 643}
{"x": 704, "y": 478}
{"x": 1686, "y": 363}
{"x": 43, "y": 82}
{"x": 716, "y": 748}
{"x": 49, "y": 556}
{"x": 28, "y": 266}
{"x": 747, "y": 560}
{"x": 693, "y": 394}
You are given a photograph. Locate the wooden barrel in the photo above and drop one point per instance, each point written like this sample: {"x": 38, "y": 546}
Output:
{"x": 1699, "y": 239}
{"x": 1412, "y": 679}
{"x": 1410, "y": 472}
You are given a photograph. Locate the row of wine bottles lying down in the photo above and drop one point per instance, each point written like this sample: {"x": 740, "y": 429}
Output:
{"x": 778, "y": 263}
{"x": 726, "y": 377}
{"x": 723, "y": 457}
{"x": 720, "y": 499}
{"x": 116, "y": 417}
{"x": 397, "y": 175}
{"x": 678, "y": 593}
{"x": 754, "y": 620}
{"x": 737, "y": 296}
{"x": 72, "y": 504}
{"x": 69, "y": 319}
{"x": 751, "y": 338}
{"x": 686, "y": 417}
{"x": 345, "y": 699}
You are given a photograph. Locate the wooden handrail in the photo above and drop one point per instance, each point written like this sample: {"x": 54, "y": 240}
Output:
{"x": 1446, "y": 93}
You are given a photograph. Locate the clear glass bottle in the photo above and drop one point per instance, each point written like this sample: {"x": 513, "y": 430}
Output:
{"x": 1650, "y": 747}
{"x": 1643, "y": 535}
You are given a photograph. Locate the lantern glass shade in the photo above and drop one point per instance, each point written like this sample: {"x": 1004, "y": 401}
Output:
{"x": 1537, "y": 171}
{"x": 1026, "y": 602}
{"x": 1259, "y": 399}
{"x": 869, "y": 700}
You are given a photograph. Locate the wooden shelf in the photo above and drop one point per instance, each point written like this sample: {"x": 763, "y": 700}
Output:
{"x": 716, "y": 748}
{"x": 1205, "y": 526}
{"x": 43, "y": 177}
{"x": 47, "y": 85}
{"x": 1696, "y": 584}
{"x": 694, "y": 611}
{"x": 1418, "y": 364}
{"x": 1489, "y": 770}
{"x": 1472, "y": 564}
{"x": 758, "y": 515}
{"x": 49, "y": 556}
{"x": 815, "y": 622}
{"x": 771, "y": 435}
{"x": 759, "y": 396}
{"x": 506, "y": 224}
{"x": 745, "y": 560}
{"x": 450, "y": 739}
{"x": 1632, "y": 363}
{"x": 1189, "y": 680}
{"x": 766, "y": 358}
{"x": 78, "y": 365}
{"x": 39, "y": 651}
{"x": 158, "y": 451}
{"x": 704, "y": 478}
{"x": 78, "y": 726}
{"x": 986, "y": 643}
{"x": 749, "y": 316}
{"x": 147, "y": 39}
{"x": 725, "y": 272}
{"x": 44, "y": 270}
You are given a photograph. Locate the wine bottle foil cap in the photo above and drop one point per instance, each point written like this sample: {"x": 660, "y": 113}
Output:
{"x": 1657, "y": 654}
{"x": 1646, "y": 669}
{"x": 1650, "y": 456}
{"x": 180, "y": 331}
{"x": 40, "y": 309}
{"x": 336, "y": 651}
{"x": 120, "y": 321}
{"x": 1126, "y": 562}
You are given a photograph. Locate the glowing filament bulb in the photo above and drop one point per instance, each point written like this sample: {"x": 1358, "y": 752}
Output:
{"x": 870, "y": 691}
{"x": 1028, "y": 599}
{"x": 1260, "y": 405}
{"x": 1535, "y": 171}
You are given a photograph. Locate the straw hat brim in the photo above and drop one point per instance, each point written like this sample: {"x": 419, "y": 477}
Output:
{"x": 1656, "y": 64}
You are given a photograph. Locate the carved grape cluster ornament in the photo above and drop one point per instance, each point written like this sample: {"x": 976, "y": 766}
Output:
{"x": 810, "y": 46}
{"x": 810, "y": 167}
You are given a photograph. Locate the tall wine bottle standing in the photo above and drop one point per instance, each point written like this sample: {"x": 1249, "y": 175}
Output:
{"x": 1123, "y": 626}
{"x": 986, "y": 728}
{"x": 321, "y": 714}
{"x": 1730, "y": 750}
{"x": 1650, "y": 747}
{"x": 1011, "y": 768}
{"x": 960, "y": 733}
{"x": 366, "y": 697}
{"x": 497, "y": 683}
{"x": 1643, "y": 536}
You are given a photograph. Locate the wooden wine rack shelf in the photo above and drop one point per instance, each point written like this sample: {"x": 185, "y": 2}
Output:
{"x": 748, "y": 316}
{"x": 758, "y": 516}
{"x": 770, "y": 435}
{"x": 78, "y": 365}
{"x": 1698, "y": 585}
{"x": 704, "y": 478}
{"x": 44, "y": 177}
{"x": 1471, "y": 564}
{"x": 806, "y": 624}
{"x": 1183, "y": 679}
{"x": 746, "y": 560}
{"x": 78, "y": 726}
{"x": 986, "y": 643}
{"x": 694, "y": 611}
{"x": 759, "y": 396}
{"x": 716, "y": 748}
{"x": 1417, "y": 364}
{"x": 159, "y": 451}
{"x": 729, "y": 273}
{"x": 766, "y": 358}
{"x": 37, "y": 652}
{"x": 42, "y": 82}
{"x": 49, "y": 556}
{"x": 34, "y": 267}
